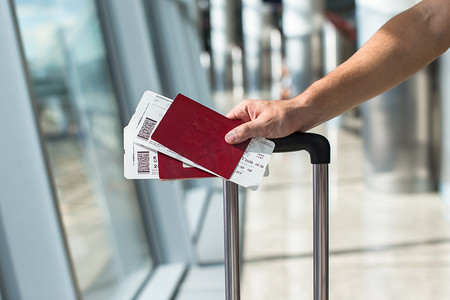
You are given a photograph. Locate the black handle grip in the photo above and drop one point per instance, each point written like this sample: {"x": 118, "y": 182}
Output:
{"x": 317, "y": 146}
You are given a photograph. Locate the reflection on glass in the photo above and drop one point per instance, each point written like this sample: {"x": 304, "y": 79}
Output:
{"x": 77, "y": 112}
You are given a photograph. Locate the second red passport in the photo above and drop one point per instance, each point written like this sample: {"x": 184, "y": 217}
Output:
{"x": 198, "y": 133}
{"x": 171, "y": 168}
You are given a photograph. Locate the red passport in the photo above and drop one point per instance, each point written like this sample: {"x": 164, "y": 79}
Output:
{"x": 171, "y": 168}
{"x": 198, "y": 133}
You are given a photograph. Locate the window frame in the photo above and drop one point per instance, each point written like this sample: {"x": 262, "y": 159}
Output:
{"x": 30, "y": 225}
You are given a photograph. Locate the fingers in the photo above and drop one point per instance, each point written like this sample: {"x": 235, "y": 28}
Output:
{"x": 231, "y": 137}
{"x": 239, "y": 113}
{"x": 248, "y": 111}
{"x": 237, "y": 110}
{"x": 242, "y": 133}
{"x": 232, "y": 114}
{"x": 239, "y": 133}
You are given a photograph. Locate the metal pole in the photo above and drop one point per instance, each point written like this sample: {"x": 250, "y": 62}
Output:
{"x": 231, "y": 232}
{"x": 320, "y": 195}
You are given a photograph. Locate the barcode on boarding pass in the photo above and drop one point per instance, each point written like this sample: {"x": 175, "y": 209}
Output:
{"x": 147, "y": 129}
{"x": 143, "y": 158}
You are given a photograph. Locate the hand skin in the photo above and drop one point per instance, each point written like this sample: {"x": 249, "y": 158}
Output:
{"x": 403, "y": 46}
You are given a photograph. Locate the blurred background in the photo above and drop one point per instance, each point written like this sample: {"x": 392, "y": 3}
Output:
{"x": 72, "y": 227}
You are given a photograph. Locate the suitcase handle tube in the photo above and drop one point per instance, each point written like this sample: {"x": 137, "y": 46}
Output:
{"x": 231, "y": 240}
{"x": 319, "y": 150}
{"x": 320, "y": 231}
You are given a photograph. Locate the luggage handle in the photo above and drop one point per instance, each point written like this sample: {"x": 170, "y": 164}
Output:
{"x": 319, "y": 150}
{"x": 317, "y": 146}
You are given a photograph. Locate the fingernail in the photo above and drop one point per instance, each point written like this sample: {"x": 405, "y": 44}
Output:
{"x": 230, "y": 137}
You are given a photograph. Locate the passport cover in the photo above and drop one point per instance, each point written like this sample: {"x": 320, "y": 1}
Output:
{"x": 171, "y": 168}
{"x": 198, "y": 133}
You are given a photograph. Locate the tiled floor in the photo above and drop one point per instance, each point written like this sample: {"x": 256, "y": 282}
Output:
{"x": 382, "y": 246}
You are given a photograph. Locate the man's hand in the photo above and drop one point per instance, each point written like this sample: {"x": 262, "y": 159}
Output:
{"x": 269, "y": 119}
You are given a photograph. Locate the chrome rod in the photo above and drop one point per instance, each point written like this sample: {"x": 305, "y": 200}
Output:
{"x": 231, "y": 232}
{"x": 320, "y": 195}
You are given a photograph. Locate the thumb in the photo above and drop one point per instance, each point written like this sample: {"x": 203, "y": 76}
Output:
{"x": 241, "y": 133}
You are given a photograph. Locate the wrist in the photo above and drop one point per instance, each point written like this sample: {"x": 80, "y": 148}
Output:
{"x": 308, "y": 109}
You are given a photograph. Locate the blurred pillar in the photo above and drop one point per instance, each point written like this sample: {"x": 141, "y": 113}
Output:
{"x": 445, "y": 125}
{"x": 276, "y": 63}
{"x": 252, "y": 26}
{"x": 331, "y": 46}
{"x": 237, "y": 72}
{"x": 222, "y": 35}
{"x": 300, "y": 22}
{"x": 338, "y": 44}
{"x": 396, "y": 125}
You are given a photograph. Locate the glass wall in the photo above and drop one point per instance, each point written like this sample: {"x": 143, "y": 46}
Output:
{"x": 79, "y": 119}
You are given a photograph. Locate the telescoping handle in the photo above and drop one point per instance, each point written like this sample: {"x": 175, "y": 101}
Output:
{"x": 319, "y": 150}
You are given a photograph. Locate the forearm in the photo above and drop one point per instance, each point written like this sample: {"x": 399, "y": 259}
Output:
{"x": 404, "y": 45}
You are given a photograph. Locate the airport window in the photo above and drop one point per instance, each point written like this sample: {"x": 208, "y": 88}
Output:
{"x": 79, "y": 120}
